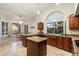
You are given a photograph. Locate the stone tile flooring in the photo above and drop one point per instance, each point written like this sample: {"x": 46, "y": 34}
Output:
{"x": 12, "y": 47}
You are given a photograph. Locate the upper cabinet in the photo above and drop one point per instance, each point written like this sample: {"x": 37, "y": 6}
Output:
{"x": 40, "y": 26}
{"x": 73, "y": 22}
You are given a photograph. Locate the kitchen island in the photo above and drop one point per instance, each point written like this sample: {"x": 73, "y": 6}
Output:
{"x": 59, "y": 41}
{"x": 36, "y": 46}
{"x": 24, "y": 40}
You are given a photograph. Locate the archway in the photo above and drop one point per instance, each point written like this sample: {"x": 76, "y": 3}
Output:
{"x": 55, "y": 23}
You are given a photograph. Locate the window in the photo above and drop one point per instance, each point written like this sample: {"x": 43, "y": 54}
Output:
{"x": 55, "y": 23}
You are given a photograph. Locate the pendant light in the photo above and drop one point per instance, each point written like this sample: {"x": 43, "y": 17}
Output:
{"x": 38, "y": 12}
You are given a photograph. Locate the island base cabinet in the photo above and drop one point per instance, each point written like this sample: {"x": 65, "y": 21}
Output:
{"x": 24, "y": 40}
{"x": 36, "y": 49}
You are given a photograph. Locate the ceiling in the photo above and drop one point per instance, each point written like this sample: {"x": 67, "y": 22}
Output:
{"x": 24, "y": 10}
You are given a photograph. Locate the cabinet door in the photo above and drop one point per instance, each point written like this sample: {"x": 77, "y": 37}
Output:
{"x": 53, "y": 41}
{"x": 76, "y": 22}
{"x": 59, "y": 42}
{"x": 71, "y": 22}
{"x": 67, "y": 44}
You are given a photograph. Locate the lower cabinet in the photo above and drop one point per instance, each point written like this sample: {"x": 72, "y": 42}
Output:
{"x": 24, "y": 40}
{"x": 64, "y": 43}
{"x": 67, "y": 44}
{"x": 53, "y": 41}
{"x": 59, "y": 42}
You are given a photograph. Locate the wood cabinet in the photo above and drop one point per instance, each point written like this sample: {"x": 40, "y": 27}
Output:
{"x": 40, "y": 26}
{"x": 52, "y": 40}
{"x": 74, "y": 22}
{"x": 64, "y": 43}
{"x": 24, "y": 41}
{"x": 36, "y": 48}
{"x": 59, "y": 42}
{"x": 67, "y": 44}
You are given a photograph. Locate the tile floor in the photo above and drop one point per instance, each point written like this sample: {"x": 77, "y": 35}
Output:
{"x": 13, "y": 47}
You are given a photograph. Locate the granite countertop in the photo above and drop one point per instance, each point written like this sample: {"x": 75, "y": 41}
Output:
{"x": 28, "y": 34}
{"x": 57, "y": 35}
{"x": 46, "y": 34}
{"x": 36, "y": 38}
{"x": 39, "y": 39}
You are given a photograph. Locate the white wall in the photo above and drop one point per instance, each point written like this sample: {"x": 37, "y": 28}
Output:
{"x": 66, "y": 9}
{"x": 5, "y": 20}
